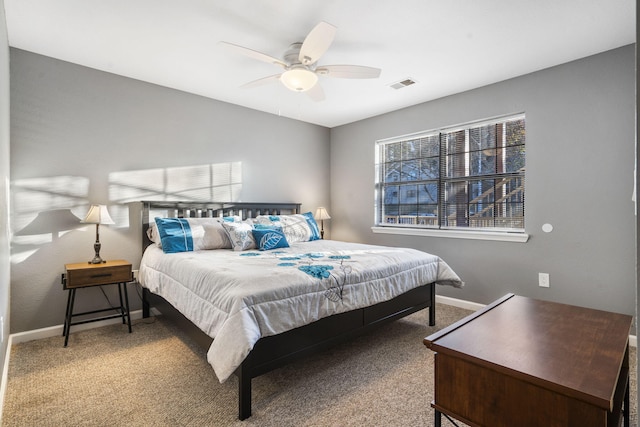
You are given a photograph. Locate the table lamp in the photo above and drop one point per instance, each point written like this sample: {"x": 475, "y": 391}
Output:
{"x": 322, "y": 214}
{"x": 98, "y": 214}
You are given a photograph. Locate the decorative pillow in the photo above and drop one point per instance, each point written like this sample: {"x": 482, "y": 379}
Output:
{"x": 269, "y": 238}
{"x": 175, "y": 234}
{"x": 188, "y": 234}
{"x": 267, "y": 227}
{"x": 296, "y": 227}
{"x": 152, "y": 234}
{"x": 240, "y": 235}
{"x": 215, "y": 237}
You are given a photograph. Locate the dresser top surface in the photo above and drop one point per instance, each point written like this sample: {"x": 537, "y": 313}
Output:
{"x": 575, "y": 348}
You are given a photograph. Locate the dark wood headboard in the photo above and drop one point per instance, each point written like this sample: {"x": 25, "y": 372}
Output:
{"x": 167, "y": 209}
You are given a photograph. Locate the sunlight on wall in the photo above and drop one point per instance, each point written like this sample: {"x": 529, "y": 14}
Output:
{"x": 220, "y": 182}
{"x": 45, "y": 209}
{"x": 34, "y": 195}
{"x": 42, "y": 211}
{"x": 210, "y": 182}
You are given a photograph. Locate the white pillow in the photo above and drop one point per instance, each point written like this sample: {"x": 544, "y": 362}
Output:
{"x": 240, "y": 234}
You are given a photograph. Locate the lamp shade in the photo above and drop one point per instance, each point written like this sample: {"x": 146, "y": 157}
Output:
{"x": 299, "y": 79}
{"x": 322, "y": 214}
{"x": 98, "y": 214}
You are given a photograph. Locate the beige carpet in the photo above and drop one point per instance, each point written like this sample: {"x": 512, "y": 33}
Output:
{"x": 152, "y": 377}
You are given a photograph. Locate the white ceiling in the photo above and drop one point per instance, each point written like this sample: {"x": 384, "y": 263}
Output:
{"x": 447, "y": 46}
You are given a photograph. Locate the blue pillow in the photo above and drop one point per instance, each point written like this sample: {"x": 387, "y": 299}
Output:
{"x": 175, "y": 235}
{"x": 266, "y": 227}
{"x": 269, "y": 238}
{"x": 313, "y": 226}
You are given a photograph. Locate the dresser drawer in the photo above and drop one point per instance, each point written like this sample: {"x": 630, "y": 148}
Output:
{"x": 84, "y": 274}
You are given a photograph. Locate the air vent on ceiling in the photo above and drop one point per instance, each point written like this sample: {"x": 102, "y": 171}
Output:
{"x": 403, "y": 83}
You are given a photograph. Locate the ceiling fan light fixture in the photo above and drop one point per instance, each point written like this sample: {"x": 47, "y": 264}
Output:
{"x": 299, "y": 79}
{"x": 301, "y": 71}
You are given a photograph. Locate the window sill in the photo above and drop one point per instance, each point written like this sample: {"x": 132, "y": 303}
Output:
{"x": 455, "y": 234}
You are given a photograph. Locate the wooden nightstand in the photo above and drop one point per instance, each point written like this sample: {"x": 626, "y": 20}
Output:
{"x": 84, "y": 275}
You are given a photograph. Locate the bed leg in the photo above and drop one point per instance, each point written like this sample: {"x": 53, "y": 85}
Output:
{"x": 244, "y": 393}
{"x": 432, "y": 306}
{"x": 146, "y": 309}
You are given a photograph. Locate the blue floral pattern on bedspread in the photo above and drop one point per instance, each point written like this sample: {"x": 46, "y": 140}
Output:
{"x": 305, "y": 263}
{"x": 317, "y": 271}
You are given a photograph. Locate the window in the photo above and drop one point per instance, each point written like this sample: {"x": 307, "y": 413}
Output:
{"x": 470, "y": 177}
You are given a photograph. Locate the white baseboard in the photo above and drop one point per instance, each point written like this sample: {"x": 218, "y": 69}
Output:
{"x": 468, "y": 305}
{"x": 5, "y": 377}
{"x": 54, "y": 331}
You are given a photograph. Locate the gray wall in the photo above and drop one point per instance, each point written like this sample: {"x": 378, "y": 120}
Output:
{"x": 4, "y": 184}
{"x": 81, "y": 136}
{"x": 579, "y": 178}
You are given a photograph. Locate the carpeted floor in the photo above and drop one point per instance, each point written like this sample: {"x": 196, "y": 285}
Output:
{"x": 152, "y": 377}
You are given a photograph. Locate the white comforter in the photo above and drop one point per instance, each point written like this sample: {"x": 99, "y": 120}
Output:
{"x": 238, "y": 297}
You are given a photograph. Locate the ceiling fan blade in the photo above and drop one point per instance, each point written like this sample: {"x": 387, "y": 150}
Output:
{"x": 316, "y": 93}
{"x": 254, "y": 54}
{"x": 349, "y": 71}
{"x": 261, "y": 82}
{"x": 316, "y": 43}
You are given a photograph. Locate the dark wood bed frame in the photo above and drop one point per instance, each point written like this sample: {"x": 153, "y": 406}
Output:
{"x": 275, "y": 351}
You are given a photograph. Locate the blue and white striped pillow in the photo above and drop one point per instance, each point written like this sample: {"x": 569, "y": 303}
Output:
{"x": 190, "y": 234}
{"x": 175, "y": 235}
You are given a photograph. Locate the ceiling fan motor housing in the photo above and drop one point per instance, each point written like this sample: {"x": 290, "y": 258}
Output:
{"x": 291, "y": 56}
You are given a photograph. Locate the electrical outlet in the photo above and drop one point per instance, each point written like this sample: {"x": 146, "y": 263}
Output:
{"x": 543, "y": 280}
{"x": 135, "y": 274}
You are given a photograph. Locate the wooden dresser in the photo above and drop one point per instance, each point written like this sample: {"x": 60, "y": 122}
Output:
{"x": 525, "y": 362}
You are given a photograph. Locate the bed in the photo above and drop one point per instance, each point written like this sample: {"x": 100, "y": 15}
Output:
{"x": 273, "y": 291}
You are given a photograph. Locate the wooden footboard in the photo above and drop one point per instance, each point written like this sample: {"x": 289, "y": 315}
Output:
{"x": 276, "y": 351}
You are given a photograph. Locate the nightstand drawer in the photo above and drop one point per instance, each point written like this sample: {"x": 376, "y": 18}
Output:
{"x": 84, "y": 274}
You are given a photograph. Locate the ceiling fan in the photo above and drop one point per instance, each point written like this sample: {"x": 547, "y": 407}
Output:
{"x": 300, "y": 66}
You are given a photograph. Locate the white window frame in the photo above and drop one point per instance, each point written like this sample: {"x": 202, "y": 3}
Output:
{"x": 428, "y": 229}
